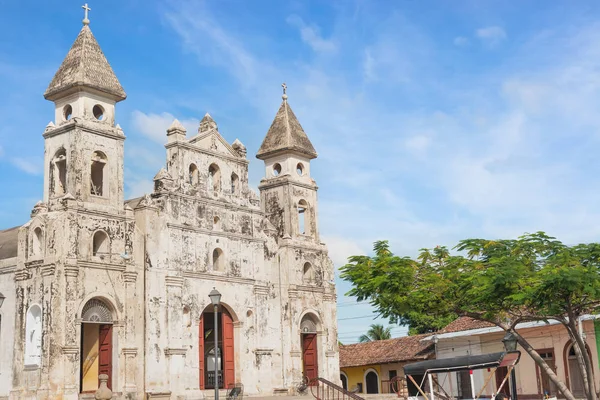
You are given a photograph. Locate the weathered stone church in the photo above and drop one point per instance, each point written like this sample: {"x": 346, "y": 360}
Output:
{"x": 96, "y": 284}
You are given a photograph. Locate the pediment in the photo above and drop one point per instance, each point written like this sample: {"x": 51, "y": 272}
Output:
{"x": 213, "y": 141}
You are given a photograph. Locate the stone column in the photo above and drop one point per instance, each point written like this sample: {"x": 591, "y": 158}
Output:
{"x": 71, "y": 349}
{"x": 19, "y": 380}
{"x": 174, "y": 351}
{"x": 130, "y": 351}
{"x": 49, "y": 314}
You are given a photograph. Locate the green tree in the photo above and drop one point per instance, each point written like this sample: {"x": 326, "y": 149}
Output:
{"x": 505, "y": 282}
{"x": 376, "y": 332}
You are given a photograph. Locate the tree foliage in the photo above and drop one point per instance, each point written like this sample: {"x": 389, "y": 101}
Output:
{"x": 376, "y": 332}
{"x": 506, "y": 282}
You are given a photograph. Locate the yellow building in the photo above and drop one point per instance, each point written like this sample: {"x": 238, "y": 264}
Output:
{"x": 369, "y": 367}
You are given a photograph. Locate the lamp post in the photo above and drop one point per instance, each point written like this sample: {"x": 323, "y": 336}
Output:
{"x": 1, "y": 299}
{"x": 215, "y": 298}
{"x": 510, "y": 344}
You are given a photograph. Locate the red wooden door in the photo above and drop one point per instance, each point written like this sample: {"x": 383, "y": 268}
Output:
{"x": 105, "y": 353}
{"x": 201, "y": 350}
{"x": 309, "y": 356}
{"x": 228, "y": 350}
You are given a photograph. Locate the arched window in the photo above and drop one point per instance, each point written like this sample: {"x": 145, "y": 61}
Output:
{"x": 96, "y": 311}
{"x": 235, "y": 183}
{"x": 302, "y": 219}
{"x": 218, "y": 260}
{"x": 58, "y": 173}
{"x": 308, "y": 275}
{"x": 214, "y": 178}
{"x": 97, "y": 174}
{"x": 193, "y": 175}
{"x": 33, "y": 336}
{"x": 101, "y": 244}
{"x": 37, "y": 240}
{"x": 216, "y": 223}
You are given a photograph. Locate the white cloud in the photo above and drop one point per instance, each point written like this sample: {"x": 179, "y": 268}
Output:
{"x": 139, "y": 187}
{"x": 491, "y": 35}
{"x": 340, "y": 248}
{"x": 369, "y": 66}
{"x": 461, "y": 41}
{"x": 155, "y": 126}
{"x": 32, "y": 166}
{"x": 418, "y": 143}
{"x": 310, "y": 35}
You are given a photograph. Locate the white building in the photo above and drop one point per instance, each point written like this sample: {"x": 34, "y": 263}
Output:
{"x": 94, "y": 283}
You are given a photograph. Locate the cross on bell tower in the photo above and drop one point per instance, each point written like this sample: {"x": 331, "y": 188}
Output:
{"x": 85, "y": 7}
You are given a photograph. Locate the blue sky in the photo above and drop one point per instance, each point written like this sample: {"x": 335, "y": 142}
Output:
{"x": 434, "y": 120}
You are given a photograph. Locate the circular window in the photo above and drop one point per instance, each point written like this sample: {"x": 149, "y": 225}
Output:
{"x": 67, "y": 112}
{"x": 300, "y": 169}
{"x": 276, "y": 169}
{"x": 249, "y": 313}
{"x": 98, "y": 112}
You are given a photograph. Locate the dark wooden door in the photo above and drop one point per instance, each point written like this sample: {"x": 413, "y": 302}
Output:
{"x": 228, "y": 351}
{"x": 309, "y": 356}
{"x": 105, "y": 353}
{"x": 201, "y": 351}
{"x": 372, "y": 382}
{"x": 501, "y": 373}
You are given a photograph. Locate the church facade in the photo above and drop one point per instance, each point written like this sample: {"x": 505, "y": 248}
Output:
{"x": 96, "y": 284}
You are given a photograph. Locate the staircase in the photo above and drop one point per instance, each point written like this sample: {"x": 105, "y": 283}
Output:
{"x": 322, "y": 389}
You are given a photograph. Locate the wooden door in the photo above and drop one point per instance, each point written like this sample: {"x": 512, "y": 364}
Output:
{"x": 309, "y": 356}
{"x": 105, "y": 353}
{"x": 228, "y": 350}
{"x": 201, "y": 350}
{"x": 501, "y": 373}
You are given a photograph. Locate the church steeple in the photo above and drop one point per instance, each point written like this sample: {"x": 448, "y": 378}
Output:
{"x": 84, "y": 145}
{"x": 288, "y": 193}
{"x": 285, "y": 134}
{"x": 85, "y": 67}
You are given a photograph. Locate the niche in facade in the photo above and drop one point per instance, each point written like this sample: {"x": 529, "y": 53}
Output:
{"x": 97, "y": 173}
{"x": 33, "y": 336}
{"x": 58, "y": 173}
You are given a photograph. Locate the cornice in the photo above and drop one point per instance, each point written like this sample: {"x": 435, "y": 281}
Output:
{"x": 219, "y": 278}
{"x": 214, "y": 233}
{"x": 174, "y": 281}
{"x": 78, "y": 123}
{"x": 99, "y": 265}
{"x": 170, "y": 351}
{"x": 285, "y": 180}
{"x": 212, "y": 202}
{"x": 130, "y": 276}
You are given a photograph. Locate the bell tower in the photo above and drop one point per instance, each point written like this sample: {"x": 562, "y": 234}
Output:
{"x": 83, "y": 146}
{"x": 288, "y": 193}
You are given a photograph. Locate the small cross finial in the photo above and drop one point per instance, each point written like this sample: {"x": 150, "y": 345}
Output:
{"x": 85, "y": 7}
{"x": 284, "y": 86}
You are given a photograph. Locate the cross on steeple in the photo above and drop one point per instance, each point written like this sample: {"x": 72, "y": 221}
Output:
{"x": 85, "y": 7}
{"x": 284, "y": 86}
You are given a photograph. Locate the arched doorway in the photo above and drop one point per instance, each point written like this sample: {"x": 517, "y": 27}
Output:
{"x": 372, "y": 382}
{"x": 96, "y": 345}
{"x": 310, "y": 359}
{"x": 344, "y": 380}
{"x": 224, "y": 355}
{"x": 574, "y": 378}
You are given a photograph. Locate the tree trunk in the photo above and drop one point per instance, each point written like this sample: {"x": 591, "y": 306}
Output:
{"x": 583, "y": 359}
{"x": 560, "y": 385}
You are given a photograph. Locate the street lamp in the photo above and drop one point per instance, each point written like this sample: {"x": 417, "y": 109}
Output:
{"x": 1, "y": 299}
{"x": 215, "y": 298}
{"x": 510, "y": 344}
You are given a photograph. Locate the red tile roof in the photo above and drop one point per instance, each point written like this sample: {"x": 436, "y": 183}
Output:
{"x": 408, "y": 348}
{"x": 465, "y": 324}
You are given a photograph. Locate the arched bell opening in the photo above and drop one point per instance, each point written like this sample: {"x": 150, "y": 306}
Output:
{"x": 96, "y": 345}
{"x": 223, "y": 356}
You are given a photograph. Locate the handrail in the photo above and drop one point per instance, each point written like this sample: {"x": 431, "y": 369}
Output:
{"x": 330, "y": 391}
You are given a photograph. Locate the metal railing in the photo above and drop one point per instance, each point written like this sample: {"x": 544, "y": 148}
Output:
{"x": 322, "y": 389}
{"x": 210, "y": 379}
